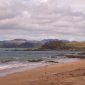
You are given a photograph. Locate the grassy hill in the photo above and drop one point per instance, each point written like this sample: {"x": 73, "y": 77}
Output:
{"x": 77, "y": 44}
{"x": 54, "y": 45}
{"x": 59, "y": 45}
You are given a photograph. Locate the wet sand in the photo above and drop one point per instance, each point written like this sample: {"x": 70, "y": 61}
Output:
{"x": 52, "y": 74}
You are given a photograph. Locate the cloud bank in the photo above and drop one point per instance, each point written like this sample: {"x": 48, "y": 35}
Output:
{"x": 42, "y": 19}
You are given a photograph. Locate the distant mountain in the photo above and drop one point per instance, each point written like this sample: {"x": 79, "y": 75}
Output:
{"x": 50, "y": 40}
{"x": 46, "y": 44}
{"x": 19, "y": 43}
{"x": 54, "y": 45}
{"x": 16, "y": 41}
{"x": 65, "y": 41}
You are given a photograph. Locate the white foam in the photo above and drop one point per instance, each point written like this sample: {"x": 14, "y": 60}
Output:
{"x": 13, "y": 67}
{"x": 18, "y": 67}
{"x": 8, "y": 66}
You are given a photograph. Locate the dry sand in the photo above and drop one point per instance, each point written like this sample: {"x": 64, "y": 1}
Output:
{"x": 54, "y": 74}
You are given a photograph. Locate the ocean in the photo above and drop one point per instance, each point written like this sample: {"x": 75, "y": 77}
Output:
{"x": 12, "y": 61}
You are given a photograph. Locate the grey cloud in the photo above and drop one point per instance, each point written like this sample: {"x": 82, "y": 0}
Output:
{"x": 37, "y": 19}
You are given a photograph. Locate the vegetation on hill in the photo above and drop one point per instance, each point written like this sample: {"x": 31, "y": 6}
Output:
{"x": 76, "y": 46}
{"x": 54, "y": 45}
{"x": 60, "y": 45}
{"x": 48, "y": 44}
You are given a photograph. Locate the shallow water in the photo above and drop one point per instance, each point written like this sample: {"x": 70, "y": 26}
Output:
{"x": 16, "y": 61}
{"x": 18, "y": 67}
{"x": 22, "y": 56}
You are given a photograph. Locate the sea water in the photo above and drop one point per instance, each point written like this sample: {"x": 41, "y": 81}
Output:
{"x": 12, "y": 61}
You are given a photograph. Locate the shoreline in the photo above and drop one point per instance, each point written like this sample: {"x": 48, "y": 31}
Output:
{"x": 14, "y": 67}
{"x": 20, "y": 67}
{"x": 53, "y": 73}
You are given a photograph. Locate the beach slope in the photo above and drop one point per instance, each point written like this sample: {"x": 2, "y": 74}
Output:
{"x": 53, "y": 74}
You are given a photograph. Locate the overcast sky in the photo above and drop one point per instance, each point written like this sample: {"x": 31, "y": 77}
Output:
{"x": 42, "y": 19}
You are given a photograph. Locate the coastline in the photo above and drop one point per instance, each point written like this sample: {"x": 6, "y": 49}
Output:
{"x": 58, "y": 74}
{"x": 19, "y": 67}
{"x": 14, "y": 67}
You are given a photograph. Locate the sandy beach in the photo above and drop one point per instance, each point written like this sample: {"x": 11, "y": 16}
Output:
{"x": 53, "y": 74}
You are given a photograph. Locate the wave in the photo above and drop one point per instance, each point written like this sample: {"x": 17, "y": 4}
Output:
{"x": 14, "y": 67}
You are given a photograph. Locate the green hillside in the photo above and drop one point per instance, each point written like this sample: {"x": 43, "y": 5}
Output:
{"x": 59, "y": 45}
{"x": 77, "y": 44}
